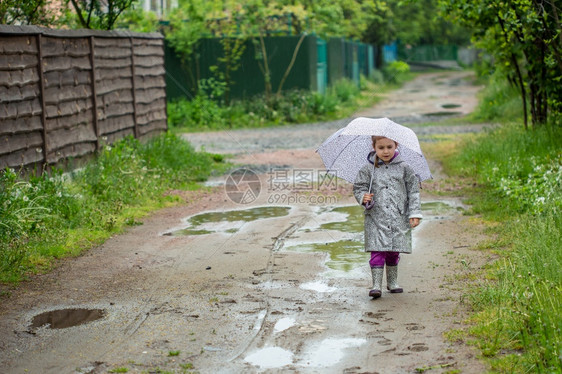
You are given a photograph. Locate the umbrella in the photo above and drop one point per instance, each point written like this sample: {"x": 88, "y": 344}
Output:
{"x": 346, "y": 151}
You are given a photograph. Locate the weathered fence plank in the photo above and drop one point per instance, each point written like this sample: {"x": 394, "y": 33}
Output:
{"x": 25, "y": 156}
{"x": 17, "y": 62}
{"x": 22, "y": 124}
{"x": 67, "y": 78}
{"x": 15, "y": 142}
{"x": 63, "y": 93}
{"x": 15, "y": 93}
{"x": 19, "y": 78}
{"x": 18, "y": 45}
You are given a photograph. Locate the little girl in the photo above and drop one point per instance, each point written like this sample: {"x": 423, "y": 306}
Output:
{"x": 389, "y": 190}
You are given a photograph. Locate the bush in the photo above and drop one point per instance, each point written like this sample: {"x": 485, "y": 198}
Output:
{"x": 294, "y": 106}
{"x": 522, "y": 168}
{"x": 499, "y": 101}
{"x": 396, "y": 72}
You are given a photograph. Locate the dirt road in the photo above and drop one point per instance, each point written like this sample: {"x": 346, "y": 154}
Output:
{"x": 273, "y": 281}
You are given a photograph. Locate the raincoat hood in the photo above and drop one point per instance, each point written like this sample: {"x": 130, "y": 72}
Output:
{"x": 395, "y": 159}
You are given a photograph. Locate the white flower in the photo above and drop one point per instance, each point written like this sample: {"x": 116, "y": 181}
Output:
{"x": 540, "y": 200}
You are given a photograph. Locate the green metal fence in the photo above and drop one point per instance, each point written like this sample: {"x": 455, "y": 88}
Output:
{"x": 317, "y": 65}
{"x": 249, "y": 79}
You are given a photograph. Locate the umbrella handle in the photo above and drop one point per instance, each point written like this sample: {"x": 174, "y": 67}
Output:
{"x": 371, "y": 182}
{"x": 370, "y": 204}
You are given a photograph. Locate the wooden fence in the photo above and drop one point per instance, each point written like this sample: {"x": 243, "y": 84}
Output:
{"x": 65, "y": 93}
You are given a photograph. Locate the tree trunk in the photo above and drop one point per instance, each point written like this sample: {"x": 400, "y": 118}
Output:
{"x": 519, "y": 76}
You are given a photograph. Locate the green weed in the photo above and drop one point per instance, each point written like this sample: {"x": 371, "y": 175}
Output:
{"x": 119, "y": 370}
{"x": 56, "y": 215}
{"x": 518, "y": 303}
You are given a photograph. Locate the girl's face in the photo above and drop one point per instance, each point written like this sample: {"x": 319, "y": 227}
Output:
{"x": 385, "y": 149}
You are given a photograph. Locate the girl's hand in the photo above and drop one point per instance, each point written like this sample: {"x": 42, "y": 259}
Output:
{"x": 367, "y": 197}
{"x": 414, "y": 222}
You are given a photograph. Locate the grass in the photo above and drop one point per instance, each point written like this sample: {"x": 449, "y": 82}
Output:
{"x": 516, "y": 177}
{"x": 56, "y": 215}
{"x": 119, "y": 370}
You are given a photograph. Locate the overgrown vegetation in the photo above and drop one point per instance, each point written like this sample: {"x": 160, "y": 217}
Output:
{"x": 56, "y": 215}
{"x": 204, "y": 112}
{"x": 207, "y": 111}
{"x": 518, "y": 304}
{"x": 523, "y": 37}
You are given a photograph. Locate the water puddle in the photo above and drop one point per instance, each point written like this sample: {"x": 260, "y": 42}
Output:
{"x": 270, "y": 357}
{"x": 441, "y": 114}
{"x": 228, "y": 221}
{"x": 63, "y": 318}
{"x": 317, "y": 286}
{"x": 352, "y": 223}
{"x": 450, "y": 106}
{"x": 440, "y": 208}
{"x": 330, "y": 351}
{"x": 345, "y": 255}
{"x": 283, "y": 324}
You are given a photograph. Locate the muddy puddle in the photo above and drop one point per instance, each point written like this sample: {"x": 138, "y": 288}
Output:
{"x": 342, "y": 238}
{"x": 441, "y": 208}
{"x": 441, "y": 114}
{"x": 228, "y": 222}
{"x": 270, "y": 358}
{"x": 322, "y": 354}
{"x": 450, "y": 106}
{"x": 64, "y": 318}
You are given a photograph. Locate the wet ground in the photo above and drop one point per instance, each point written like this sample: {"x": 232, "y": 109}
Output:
{"x": 270, "y": 281}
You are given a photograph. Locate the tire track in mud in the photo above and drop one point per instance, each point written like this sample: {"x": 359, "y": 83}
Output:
{"x": 266, "y": 311}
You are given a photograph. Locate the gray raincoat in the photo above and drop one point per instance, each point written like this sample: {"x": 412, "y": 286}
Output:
{"x": 396, "y": 199}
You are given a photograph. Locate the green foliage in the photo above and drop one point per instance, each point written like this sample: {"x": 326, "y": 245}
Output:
{"x": 518, "y": 308}
{"x": 396, "y": 72}
{"x": 203, "y": 113}
{"x": 522, "y": 168}
{"x": 51, "y": 215}
{"x": 137, "y": 19}
{"x": 418, "y": 22}
{"x": 187, "y": 26}
{"x": 522, "y": 36}
{"x": 499, "y": 101}
{"x": 25, "y": 12}
{"x": 98, "y": 14}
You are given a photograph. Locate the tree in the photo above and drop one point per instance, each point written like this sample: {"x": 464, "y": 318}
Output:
{"x": 524, "y": 37}
{"x": 98, "y": 14}
{"x": 26, "y": 12}
{"x": 187, "y": 26}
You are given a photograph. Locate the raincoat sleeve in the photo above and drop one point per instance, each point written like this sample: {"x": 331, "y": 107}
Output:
{"x": 413, "y": 191}
{"x": 361, "y": 184}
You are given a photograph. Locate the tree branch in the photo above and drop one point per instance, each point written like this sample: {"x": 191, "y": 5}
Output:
{"x": 79, "y": 13}
{"x": 288, "y": 70}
